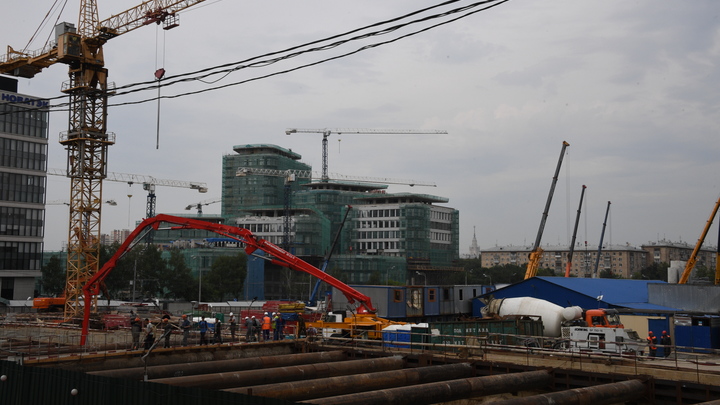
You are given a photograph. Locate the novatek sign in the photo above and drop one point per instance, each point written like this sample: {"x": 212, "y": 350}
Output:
{"x": 16, "y": 98}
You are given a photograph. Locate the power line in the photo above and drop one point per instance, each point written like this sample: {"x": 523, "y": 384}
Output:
{"x": 258, "y": 62}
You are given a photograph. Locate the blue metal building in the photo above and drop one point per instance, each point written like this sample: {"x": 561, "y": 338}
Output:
{"x": 583, "y": 292}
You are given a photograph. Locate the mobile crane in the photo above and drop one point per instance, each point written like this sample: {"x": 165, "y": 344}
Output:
{"x": 364, "y": 319}
{"x": 87, "y": 139}
{"x": 693, "y": 257}
{"x": 568, "y": 267}
{"x": 537, "y": 251}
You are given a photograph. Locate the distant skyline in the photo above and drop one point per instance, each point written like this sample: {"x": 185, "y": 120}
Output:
{"x": 634, "y": 87}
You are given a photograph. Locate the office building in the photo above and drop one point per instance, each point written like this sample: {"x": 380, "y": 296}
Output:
{"x": 387, "y": 237}
{"x": 23, "y": 167}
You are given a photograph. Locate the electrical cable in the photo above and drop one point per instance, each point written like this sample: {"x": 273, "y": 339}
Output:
{"x": 366, "y": 47}
{"x": 262, "y": 63}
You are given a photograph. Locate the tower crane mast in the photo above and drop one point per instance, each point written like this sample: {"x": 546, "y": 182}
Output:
{"x": 326, "y": 132}
{"x": 87, "y": 139}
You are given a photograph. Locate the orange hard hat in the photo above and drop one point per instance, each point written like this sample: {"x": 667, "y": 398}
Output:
{"x": 184, "y": 316}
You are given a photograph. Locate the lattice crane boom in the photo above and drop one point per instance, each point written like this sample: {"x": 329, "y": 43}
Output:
{"x": 87, "y": 139}
{"x": 149, "y": 183}
{"x": 326, "y": 132}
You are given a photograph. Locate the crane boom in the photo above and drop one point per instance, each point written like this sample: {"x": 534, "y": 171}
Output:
{"x": 693, "y": 257}
{"x": 87, "y": 139}
{"x": 602, "y": 236}
{"x": 568, "y": 267}
{"x": 278, "y": 256}
{"x": 536, "y": 253}
{"x": 142, "y": 179}
{"x": 328, "y": 131}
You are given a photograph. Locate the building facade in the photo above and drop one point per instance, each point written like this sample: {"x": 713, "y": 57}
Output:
{"x": 622, "y": 260}
{"x": 666, "y": 251}
{"x": 23, "y": 168}
{"x": 384, "y": 236}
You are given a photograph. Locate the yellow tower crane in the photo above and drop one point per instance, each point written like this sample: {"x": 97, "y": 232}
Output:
{"x": 87, "y": 139}
{"x": 328, "y": 131}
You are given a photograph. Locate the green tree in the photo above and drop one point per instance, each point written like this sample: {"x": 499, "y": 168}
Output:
{"x": 608, "y": 273}
{"x": 225, "y": 278}
{"x": 655, "y": 271}
{"x": 375, "y": 278}
{"x": 704, "y": 273}
{"x": 177, "y": 280}
{"x": 53, "y": 277}
{"x": 151, "y": 268}
{"x": 119, "y": 280}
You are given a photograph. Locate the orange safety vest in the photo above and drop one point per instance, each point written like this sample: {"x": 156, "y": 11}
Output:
{"x": 266, "y": 323}
{"x": 652, "y": 341}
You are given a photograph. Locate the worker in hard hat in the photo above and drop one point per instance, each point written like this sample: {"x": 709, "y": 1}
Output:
{"x": 233, "y": 327}
{"x": 136, "y": 330}
{"x": 266, "y": 324}
{"x": 250, "y": 329}
{"x": 185, "y": 326}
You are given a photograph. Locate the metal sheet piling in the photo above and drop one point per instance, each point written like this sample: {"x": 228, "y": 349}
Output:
{"x": 325, "y": 387}
{"x": 284, "y": 374}
{"x": 604, "y": 394}
{"x": 445, "y": 391}
{"x": 207, "y": 367}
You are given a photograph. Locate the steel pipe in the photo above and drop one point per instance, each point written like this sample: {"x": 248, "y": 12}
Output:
{"x": 325, "y": 387}
{"x": 284, "y": 374}
{"x": 445, "y": 391}
{"x": 604, "y": 394}
{"x": 206, "y": 367}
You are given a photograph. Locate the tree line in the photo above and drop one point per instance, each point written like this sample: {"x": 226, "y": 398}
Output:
{"x": 144, "y": 271}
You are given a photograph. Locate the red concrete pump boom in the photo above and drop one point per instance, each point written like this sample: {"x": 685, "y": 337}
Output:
{"x": 252, "y": 243}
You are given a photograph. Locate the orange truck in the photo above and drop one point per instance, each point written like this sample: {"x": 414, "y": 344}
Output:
{"x": 49, "y": 304}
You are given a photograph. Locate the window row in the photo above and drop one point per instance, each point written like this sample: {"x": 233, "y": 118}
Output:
{"x": 23, "y": 154}
{"x": 20, "y": 120}
{"x": 20, "y": 255}
{"x": 441, "y": 216}
{"x": 440, "y": 237}
{"x": 380, "y": 235}
{"x": 378, "y": 224}
{"x": 379, "y": 213}
{"x": 22, "y": 188}
{"x": 384, "y": 245}
{"x": 443, "y": 226}
{"x": 21, "y": 221}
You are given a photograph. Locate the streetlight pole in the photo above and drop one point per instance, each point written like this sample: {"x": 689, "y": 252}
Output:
{"x": 199, "y": 280}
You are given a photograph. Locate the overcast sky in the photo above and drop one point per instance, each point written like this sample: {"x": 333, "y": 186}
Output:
{"x": 633, "y": 86}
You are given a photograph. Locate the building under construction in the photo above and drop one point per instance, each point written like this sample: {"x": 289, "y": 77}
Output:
{"x": 388, "y": 235}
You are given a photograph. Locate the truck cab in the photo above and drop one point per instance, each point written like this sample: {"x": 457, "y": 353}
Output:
{"x": 603, "y": 318}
